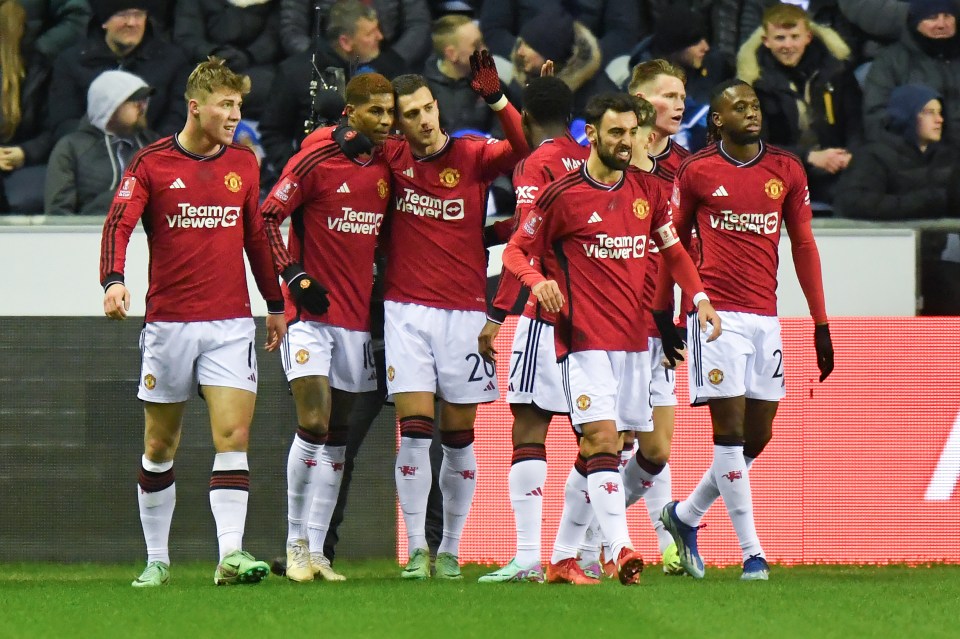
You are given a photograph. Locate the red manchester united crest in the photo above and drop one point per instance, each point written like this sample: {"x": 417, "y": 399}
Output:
{"x": 715, "y": 376}
{"x": 302, "y": 356}
{"x": 449, "y": 177}
{"x": 232, "y": 181}
{"x": 382, "y": 189}
{"x": 583, "y": 402}
{"x": 149, "y": 381}
{"x": 641, "y": 208}
{"x": 774, "y": 188}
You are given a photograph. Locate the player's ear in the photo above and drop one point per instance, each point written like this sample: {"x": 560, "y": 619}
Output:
{"x": 716, "y": 119}
{"x": 591, "y": 132}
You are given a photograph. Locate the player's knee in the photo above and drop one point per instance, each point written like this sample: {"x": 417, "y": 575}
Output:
{"x": 315, "y": 423}
{"x": 158, "y": 448}
{"x": 657, "y": 453}
{"x": 601, "y": 442}
{"x": 233, "y": 438}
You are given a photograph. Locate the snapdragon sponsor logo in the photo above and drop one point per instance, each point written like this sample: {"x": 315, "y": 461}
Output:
{"x": 617, "y": 247}
{"x": 359, "y": 222}
{"x": 429, "y": 206}
{"x": 759, "y": 223}
{"x": 203, "y": 217}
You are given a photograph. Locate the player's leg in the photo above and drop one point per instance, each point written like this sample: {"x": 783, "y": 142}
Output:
{"x": 157, "y": 491}
{"x": 595, "y": 556}
{"x": 528, "y": 473}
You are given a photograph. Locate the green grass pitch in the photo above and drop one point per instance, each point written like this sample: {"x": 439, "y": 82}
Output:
{"x": 46, "y": 600}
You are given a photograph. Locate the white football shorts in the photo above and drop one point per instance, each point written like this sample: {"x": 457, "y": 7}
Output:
{"x": 176, "y": 356}
{"x": 535, "y": 376}
{"x": 608, "y": 385}
{"x": 434, "y": 350}
{"x": 343, "y": 356}
{"x": 747, "y": 359}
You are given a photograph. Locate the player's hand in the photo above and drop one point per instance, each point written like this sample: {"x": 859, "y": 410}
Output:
{"x": 484, "y": 79}
{"x": 546, "y": 71}
{"x": 307, "y": 292}
{"x": 116, "y": 302}
{"x": 707, "y": 316}
{"x": 352, "y": 142}
{"x": 824, "y": 346}
{"x": 276, "y": 329}
{"x": 673, "y": 346}
{"x": 485, "y": 341}
{"x": 549, "y": 295}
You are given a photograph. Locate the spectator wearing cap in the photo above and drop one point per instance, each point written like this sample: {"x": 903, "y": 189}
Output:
{"x": 86, "y": 165}
{"x": 810, "y": 99}
{"x": 554, "y": 35}
{"x": 680, "y": 37}
{"x": 927, "y": 53}
{"x": 245, "y": 34}
{"x": 120, "y": 36}
{"x": 908, "y": 173}
{"x": 615, "y": 24}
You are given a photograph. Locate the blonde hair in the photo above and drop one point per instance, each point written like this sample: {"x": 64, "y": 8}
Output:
{"x": 785, "y": 16}
{"x": 12, "y": 20}
{"x": 214, "y": 75}
{"x": 444, "y": 30}
{"x": 649, "y": 70}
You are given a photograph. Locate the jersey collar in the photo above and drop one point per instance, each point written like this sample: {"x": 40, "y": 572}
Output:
{"x": 738, "y": 163}
{"x": 600, "y": 185}
{"x": 194, "y": 156}
{"x": 443, "y": 149}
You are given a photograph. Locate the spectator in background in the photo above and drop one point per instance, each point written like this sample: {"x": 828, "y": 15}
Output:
{"x": 32, "y": 34}
{"x": 809, "y": 96}
{"x": 722, "y": 16}
{"x": 404, "y": 26}
{"x": 120, "y": 36}
{"x": 554, "y": 35}
{"x": 352, "y": 33}
{"x": 908, "y": 173}
{"x": 614, "y": 23}
{"x": 447, "y": 71}
{"x": 680, "y": 37}
{"x": 244, "y": 33}
{"x": 826, "y": 13}
{"x": 927, "y": 53}
{"x": 86, "y": 165}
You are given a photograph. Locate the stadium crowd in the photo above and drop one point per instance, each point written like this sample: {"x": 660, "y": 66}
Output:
{"x": 843, "y": 103}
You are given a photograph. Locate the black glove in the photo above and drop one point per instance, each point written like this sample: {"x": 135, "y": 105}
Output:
{"x": 824, "y": 346}
{"x": 484, "y": 79}
{"x": 352, "y": 142}
{"x": 237, "y": 59}
{"x": 307, "y": 292}
{"x": 669, "y": 336}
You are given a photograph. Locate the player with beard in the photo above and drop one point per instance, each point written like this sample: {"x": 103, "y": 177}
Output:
{"x": 435, "y": 301}
{"x": 535, "y": 391}
{"x": 737, "y": 193}
{"x": 337, "y": 199}
{"x": 196, "y": 195}
{"x": 597, "y": 221}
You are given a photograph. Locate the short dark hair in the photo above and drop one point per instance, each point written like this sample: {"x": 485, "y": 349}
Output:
{"x": 548, "y": 100}
{"x": 716, "y": 94}
{"x": 408, "y": 83}
{"x": 362, "y": 86}
{"x": 616, "y": 102}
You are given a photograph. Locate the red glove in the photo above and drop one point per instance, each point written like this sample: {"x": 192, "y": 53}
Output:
{"x": 484, "y": 79}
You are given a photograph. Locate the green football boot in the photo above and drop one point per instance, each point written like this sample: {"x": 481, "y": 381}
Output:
{"x": 155, "y": 574}
{"x": 418, "y": 567}
{"x": 239, "y": 567}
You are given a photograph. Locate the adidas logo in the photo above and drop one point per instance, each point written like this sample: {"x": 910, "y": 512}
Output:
{"x": 490, "y": 386}
{"x": 720, "y": 192}
{"x": 178, "y": 184}
{"x": 343, "y": 188}
{"x": 253, "y": 376}
{"x": 595, "y": 218}
{"x": 408, "y": 172}
{"x": 536, "y": 492}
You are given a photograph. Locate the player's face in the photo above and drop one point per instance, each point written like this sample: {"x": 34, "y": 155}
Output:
{"x": 642, "y": 141}
{"x": 530, "y": 60}
{"x": 218, "y": 114}
{"x": 787, "y": 44}
{"x": 374, "y": 118}
{"x": 614, "y": 139}
{"x": 419, "y": 117}
{"x": 692, "y": 57}
{"x": 667, "y": 95}
{"x": 938, "y": 27}
{"x": 739, "y": 115}
{"x": 365, "y": 42}
{"x": 930, "y": 123}
{"x": 125, "y": 29}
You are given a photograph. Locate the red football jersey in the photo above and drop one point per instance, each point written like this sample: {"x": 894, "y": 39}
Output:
{"x": 600, "y": 234}
{"x": 553, "y": 159}
{"x": 199, "y": 214}
{"x": 338, "y": 206}
{"x": 738, "y": 209}
{"x": 653, "y": 253}
{"x": 668, "y": 163}
{"x": 435, "y": 252}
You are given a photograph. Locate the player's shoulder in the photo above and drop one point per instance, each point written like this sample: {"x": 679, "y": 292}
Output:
{"x": 307, "y": 159}
{"x": 694, "y": 161}
{"x": 681, "y": 151}
{"x": 776, "y": 155}
{"x": 151, "y": 151}
{"x": 555, "y": 189}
